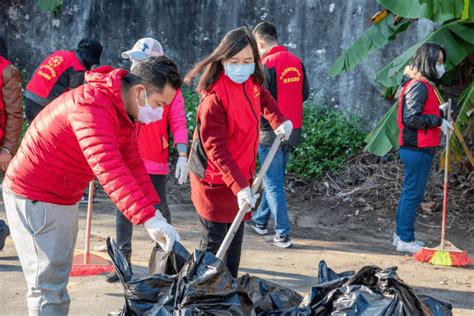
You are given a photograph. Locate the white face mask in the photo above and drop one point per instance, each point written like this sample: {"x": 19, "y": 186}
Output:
{"x": 440, "y": 70}
{"x": 147, "y": 114}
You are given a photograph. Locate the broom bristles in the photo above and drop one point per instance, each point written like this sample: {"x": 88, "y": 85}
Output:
{"x": 443, "y": 257}
{"x": 460, "y": 259}
{"x": 424, "y": 255}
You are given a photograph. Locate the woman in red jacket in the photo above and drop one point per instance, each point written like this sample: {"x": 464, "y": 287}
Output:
{"x": 420, "y": 122}
{"x": 223, "y": 154}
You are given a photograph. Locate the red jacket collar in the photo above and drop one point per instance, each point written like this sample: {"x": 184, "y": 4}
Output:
{"x": 109, "y": 80}
{"x": 275, "y": 49}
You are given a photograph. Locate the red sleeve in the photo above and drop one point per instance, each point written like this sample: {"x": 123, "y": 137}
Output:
{"x": 213, "y": 132}
{"x": 269, "y": 108}
{"x": 122, "y": 176}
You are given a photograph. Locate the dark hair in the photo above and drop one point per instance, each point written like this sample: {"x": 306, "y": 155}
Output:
{"x": 156, "y": 72}
{"x": 266, "y": 31}
{"x": 3, "y": 47}
{"x": 211, "y": 66}
{"x": 425, "y": 60}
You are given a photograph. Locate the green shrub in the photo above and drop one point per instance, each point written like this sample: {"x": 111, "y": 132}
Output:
{"x": 329, "y": 137}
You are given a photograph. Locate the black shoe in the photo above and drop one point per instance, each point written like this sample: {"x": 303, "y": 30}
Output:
{"x": 112, "y": 277}
{"x": 3, "y": 235}
{"x": 282, "y": 241}
{"x": 259, "y": 229}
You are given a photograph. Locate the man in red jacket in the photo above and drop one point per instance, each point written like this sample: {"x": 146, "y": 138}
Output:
{"x": 85, "y": 133}
{"x": 285, "y": 79}
{"x": 60, "y": 72}
{"x": 11, "y": 117}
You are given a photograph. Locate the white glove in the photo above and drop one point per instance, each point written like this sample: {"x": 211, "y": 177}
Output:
{"x": 182, "y": 170}
{"x": 444, "y": 107}
{"x": 245, "y": 196}
{"x": 445, "y": 126}
{"x": 161, "y": 232}
{"x": 284, "y": 130}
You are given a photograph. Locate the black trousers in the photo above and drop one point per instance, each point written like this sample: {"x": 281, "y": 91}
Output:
{"x": 31, "y": 110}
{"x": 213, "y": 234}
{"x": 123, "y": 227}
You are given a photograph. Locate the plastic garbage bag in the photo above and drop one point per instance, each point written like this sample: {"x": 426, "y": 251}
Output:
{"x": 371, "y": 291}
{"x": 267, "y": 296}
{"x": 154, "y": 293}
{"x": 206, "y": 287}
{"x": 167, "y": 263}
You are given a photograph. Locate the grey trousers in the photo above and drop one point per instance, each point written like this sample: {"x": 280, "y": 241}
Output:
{"x": 44, "y": 235}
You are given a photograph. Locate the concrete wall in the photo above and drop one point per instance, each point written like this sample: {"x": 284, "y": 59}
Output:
{"x": 315, "y": 30}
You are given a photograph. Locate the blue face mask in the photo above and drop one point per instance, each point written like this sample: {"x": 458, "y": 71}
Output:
{"x": 239, "y": 73}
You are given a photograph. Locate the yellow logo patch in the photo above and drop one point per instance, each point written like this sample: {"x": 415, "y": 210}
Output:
{"x": 48, "y": 70}
{"x": 290, "y": 74}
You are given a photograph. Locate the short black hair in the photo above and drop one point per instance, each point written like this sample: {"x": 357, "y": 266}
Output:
{"x": 156, "y": 72}
{"x": 425, "y": 60}
{"x": 266, "y": 31}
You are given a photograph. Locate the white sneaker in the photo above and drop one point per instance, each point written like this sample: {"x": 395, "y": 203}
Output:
{"x": 396, "y": 240}
{"x": 412, "y": 246}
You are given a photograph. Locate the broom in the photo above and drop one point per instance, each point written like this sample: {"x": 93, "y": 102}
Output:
{"x": 87, "y": 263}
{"x": 446, "y": 254}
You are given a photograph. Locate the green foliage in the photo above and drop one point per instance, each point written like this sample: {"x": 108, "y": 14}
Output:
{"x": 456, "y": 37}
{"x": 384, "y": 136}
{"x": 375, "y": 37}
{"x": 191, "y": 100}
{"x": 434, "y": 10}
{"x": 50, "y": 5}
{"x": 329, "y": 137}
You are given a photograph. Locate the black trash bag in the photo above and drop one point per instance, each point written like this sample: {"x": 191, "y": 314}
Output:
{"x": 167, "y": 263}
{"x": 371, "y": 291}
{"x": 143, "y": 295}
{"x": 267, "y": 296}
{"x": 206, "y": 287}
{"x": 437, "y": 308}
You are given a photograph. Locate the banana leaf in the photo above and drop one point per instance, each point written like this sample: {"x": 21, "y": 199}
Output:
{"x": 463, "y": 123}
{"x": 434, "y": 10}
{"x": 49, "y": 5}
{"x": 384, "y": 136}
{"x": 458, "y": 39}
{"x": 377, "y": 36}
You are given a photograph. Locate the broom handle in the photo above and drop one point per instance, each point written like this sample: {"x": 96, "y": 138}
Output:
{"x": 446, "y": 172}
{"x": 89, "y": 222}
{"x": 240, "y": 215}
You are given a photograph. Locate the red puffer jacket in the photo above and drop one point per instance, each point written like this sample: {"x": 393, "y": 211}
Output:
{"x": 84, "y": 133}
{"x": 224, "y": 150}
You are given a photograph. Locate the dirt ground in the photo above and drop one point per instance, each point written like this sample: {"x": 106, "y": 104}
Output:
{"x": 345, "y": 237}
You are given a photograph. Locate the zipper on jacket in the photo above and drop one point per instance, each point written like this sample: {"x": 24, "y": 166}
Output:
{"x": 256, "y": 118}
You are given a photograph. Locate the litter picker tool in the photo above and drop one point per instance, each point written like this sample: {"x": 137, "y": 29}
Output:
{"x": 446, "y": 254}
{"x": 87, "y": 263}
{"x": 246, "y": 208}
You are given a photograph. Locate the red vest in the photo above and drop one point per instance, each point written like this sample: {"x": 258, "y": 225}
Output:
{"x": 3, "y": 114}
{"x": 426, "y": 138}
{"x": 289, "y": 77}
{"x": 153, "y": 139}
{"x": 241, "y": 103}
{"x": 50, "y": 71}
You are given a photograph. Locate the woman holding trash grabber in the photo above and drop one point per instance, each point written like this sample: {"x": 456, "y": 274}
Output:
{"x": 225, "y": 142}
{"x": 420, "y": 121}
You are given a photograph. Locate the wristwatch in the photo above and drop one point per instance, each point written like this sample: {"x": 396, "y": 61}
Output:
{"x": 5, "y": 150}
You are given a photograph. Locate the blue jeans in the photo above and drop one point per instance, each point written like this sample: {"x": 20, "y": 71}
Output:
{"x": 274, "y": 201}
{"x": 417, "y": 166}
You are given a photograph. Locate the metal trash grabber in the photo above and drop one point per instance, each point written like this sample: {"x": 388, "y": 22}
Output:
{"x": 240, "y": 215}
